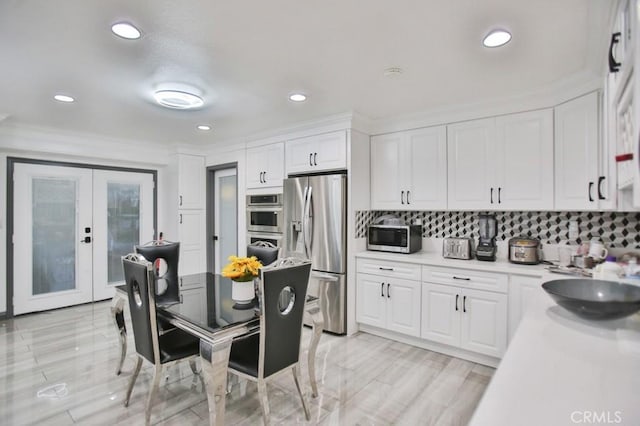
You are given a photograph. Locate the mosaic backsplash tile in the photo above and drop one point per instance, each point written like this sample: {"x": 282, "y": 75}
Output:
{"x": 618, "y": 230}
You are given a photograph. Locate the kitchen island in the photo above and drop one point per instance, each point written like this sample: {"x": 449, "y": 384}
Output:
{"x": 561, "y": 370}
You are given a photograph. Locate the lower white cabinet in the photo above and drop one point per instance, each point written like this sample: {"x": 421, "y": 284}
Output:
{"x": 474, "y": 320}
{"x": 389, "y": 303}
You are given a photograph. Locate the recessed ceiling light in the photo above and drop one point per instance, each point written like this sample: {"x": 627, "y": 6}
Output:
{"x": 497, "y": 38}
{"x": 297, "y": 97}
{"x": 204, "y": 127}
{"x": 125, "y": 30}
{"x": 64, "y": 98}
{"x": 178, "y": 99}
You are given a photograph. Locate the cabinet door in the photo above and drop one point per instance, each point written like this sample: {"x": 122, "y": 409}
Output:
{"x": 484, "y": 322}
{"x": 524, "y": 157}
{"x": 371, "y": 300}
{"x": 441, "y": 306}
{"x": 386, "y": 171}
{"x": 317, "y": 153}
{"x": 191, "y": 178}
{"x": 470, "y": 165}
{"x": 425, "y": 162}
{"x": 192, "y": 236}
{"x": 576, "y": 154}
{"x": 265, "y": 166}
{"x": 523, "y": 293}
{"x": 403, "y": 306}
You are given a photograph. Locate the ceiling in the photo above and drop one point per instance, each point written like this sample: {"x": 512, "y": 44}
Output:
{"x": 246, "y": 56}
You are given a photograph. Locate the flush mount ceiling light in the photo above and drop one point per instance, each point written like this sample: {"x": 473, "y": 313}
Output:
{"x": 204, "y": 127}
{"x": 64, "y": 98}
{"x": 297, "y": 97}
{"x": 178, "y": 99}
{"x": 497, "y": 38}
{"x": 125, "y": 30}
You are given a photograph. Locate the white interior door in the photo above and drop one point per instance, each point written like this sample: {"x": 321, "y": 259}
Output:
{"x": 225, "y": 241}
{"x": 122, "y": 218}
{"x": 52, "y": 263}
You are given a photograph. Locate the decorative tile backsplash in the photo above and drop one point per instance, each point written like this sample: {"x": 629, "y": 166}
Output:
{"x": 618, "y": 230}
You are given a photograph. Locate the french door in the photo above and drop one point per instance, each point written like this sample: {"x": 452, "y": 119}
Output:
{"x": 71, "y": 226}
{"x": 225, "y": 217}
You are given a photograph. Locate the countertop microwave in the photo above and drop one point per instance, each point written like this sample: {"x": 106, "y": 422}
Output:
{"x": 395, "y": 238}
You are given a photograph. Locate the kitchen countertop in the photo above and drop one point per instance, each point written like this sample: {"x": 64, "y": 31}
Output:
{"x": 560, "y": 369}
{"x": 436, "y": 259}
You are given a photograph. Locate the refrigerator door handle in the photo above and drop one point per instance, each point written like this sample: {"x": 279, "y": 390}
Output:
{"x": 308, "y": 227}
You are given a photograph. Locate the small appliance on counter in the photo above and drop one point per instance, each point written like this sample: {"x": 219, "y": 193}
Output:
{"x": 389, "y": 233}
{"x": 458, "y": 248}
{"x": 525, "y": 251}
{"x": 487, "y": 248}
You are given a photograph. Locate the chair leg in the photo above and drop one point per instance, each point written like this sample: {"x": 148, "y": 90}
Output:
{"x": 132, "y": 381}
{"x": 296, "y": 378}
{"x": 264, "y": 402}
{"x": 157, "y": 374}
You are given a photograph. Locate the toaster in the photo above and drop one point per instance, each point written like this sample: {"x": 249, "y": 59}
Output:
{"x": 458, "y": 248}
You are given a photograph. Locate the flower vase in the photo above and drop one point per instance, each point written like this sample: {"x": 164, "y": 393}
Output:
{"x": 243, "y": 293}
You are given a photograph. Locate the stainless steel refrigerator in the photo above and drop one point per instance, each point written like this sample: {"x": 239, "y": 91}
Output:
{"x": 315, "y": 211}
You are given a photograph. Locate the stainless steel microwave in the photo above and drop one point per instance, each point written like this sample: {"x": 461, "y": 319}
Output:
{"x": 395, "y": 238}
{"x": 264, "y": 213}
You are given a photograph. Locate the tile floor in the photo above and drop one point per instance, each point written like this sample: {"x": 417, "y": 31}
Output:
{"x": 58, "y": 368}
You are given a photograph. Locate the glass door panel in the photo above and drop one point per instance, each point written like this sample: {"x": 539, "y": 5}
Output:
{"x": 226, "y": 207}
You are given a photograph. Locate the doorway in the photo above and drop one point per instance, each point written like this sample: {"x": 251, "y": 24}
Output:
{"x": 222, "y": 214}
{"x": 71, "y": 224}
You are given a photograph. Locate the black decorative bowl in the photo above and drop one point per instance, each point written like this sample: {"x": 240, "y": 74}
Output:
{"x": 595, "y": 299}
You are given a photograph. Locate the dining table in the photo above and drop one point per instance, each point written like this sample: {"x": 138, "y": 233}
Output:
{"x": 204, "y": 307}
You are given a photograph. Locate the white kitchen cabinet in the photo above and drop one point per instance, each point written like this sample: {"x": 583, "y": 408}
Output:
{"x": 474, "y": 320}
{"x": 501, "y": 163}
{"x": 316, "y": 153}
{"x": 265, "y": 166}
{"x": 409, "y": 170}
{"x": 192, "y": 237}
{"x": 191, "y": 182}
{"x": 523, "y": 293}
{"x": 389, "y": 303}
{"x": 577, "y": 177}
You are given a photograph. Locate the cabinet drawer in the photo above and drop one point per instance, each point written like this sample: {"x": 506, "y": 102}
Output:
{"x": 465, "y": 278}
{"x": 387, "y": 268}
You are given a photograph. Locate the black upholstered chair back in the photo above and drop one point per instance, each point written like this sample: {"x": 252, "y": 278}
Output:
{"x": 139, "y": 276}
{"x": 281, "y": 331}
{"x": 167, "y": 284}
{"x": 266, "y": 253}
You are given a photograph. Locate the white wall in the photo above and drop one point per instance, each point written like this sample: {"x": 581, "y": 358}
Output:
{"x": 53, "y": 145}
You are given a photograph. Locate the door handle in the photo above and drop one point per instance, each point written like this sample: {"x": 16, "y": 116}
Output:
{"x": 491, "y": 195}
{"x": 86, "y": 240}
{"x": 311, "y": 159}
{"x": 408, "y": 192}
{"x": 382, "y": 289}
{"x": 402, "y": 197}
{"x": 614, "y": 66}
{"x": 590, "y": 188}
{"x": 499, "y": 190}
{"x": 464, "y": 304}
{"x": 600, "y": 180}
{"x": 457, "y": 296}
{"x": 315, "y": 158}
{"x": 388, "y": 290}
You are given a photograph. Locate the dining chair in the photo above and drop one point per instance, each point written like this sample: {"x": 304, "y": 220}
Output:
{"x": 266, "y": 252}
{"x": 167, "y": 282}
{"x": 276, "y": 347}
{"x": 159, "y": 349}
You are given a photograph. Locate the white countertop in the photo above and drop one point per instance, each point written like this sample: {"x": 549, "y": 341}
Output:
{"x": 560, "y": 369}
{"x": 433, "y": 258}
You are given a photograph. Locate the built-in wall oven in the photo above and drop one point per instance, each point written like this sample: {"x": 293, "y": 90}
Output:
{"x": 264, "y": 213}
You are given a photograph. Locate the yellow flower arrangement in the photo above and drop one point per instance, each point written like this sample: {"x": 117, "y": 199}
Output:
{"x": 242, "y": 269}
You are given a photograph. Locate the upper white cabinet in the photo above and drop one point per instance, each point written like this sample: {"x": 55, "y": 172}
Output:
{"x": 577, "y": 180}
{"x": 409, "y": 170}
{"x": 265, "y": 166}
{"x": 191, "y": 182}
{"x": 502, "y": 163}
{"x": 317, "y": 153}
